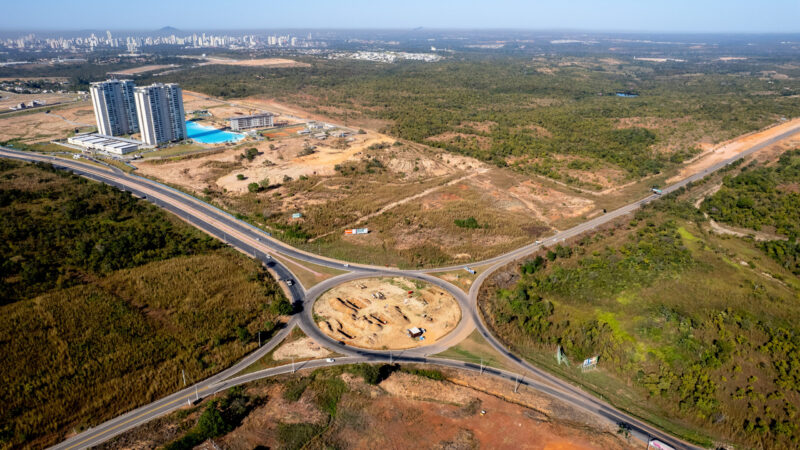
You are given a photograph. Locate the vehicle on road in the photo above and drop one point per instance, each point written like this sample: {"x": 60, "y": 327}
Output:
{"x": 470, "y": 270}
{"x": 290, "y": 282}
{"x": 657, "y": 191}
{"x": 346, "y": 265}
{"x": 538, "y": 242}
{"x": 330, "y": 360}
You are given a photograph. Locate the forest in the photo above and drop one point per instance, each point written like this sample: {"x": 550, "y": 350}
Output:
{"x": 536, "y": 115}
{"x": 701, "y": 326}
{"x": 764, "y": 198}
{"x": 106, "y": 300}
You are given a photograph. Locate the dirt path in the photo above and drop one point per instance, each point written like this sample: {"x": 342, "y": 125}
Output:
{"x": 397, "y": 203}
{"x": 760, "y": 236}
{"x": 71, "y": 122}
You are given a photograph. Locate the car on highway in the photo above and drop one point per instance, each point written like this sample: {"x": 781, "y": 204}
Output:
{"x": 330, "y": 360}
{"x": 290, "y": 282}
{"x": 346, "y": 265}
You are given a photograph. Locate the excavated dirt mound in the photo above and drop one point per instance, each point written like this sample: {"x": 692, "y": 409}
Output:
{"x": 377, "y": 313}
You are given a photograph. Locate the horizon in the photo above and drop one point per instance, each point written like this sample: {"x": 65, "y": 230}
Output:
{"x": 618, "y": 16}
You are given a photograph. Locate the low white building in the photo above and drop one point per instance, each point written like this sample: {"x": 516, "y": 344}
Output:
{"x": 263, "y": 120}
{"x": 108, "y": 144}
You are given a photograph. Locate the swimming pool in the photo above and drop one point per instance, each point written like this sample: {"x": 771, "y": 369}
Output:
{"x": 209, "y": 135}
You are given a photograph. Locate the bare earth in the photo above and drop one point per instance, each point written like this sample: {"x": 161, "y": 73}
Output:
{"x": 729, "y": 149}
{"x": 405, "y": 411}
{"x": 143, "y": 69}
{"x": 353, "y": 312}
{"x": 264, "y": 62}
{"x": 301, "y": 348}
{"x": 36, "y": 127}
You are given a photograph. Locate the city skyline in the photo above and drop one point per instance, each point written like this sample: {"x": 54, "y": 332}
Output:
{"x": 680, "y": 16}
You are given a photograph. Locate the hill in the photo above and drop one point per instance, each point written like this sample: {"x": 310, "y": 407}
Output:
{"x": 105, "y": 300}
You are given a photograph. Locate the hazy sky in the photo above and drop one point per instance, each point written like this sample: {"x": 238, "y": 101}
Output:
{"x": 611, "y": 15}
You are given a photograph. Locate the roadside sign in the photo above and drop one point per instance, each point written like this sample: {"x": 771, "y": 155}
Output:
{"x": 590, "y": 363}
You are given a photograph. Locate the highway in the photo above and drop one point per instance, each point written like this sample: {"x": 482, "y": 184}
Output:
{"x": 261, "y": 245}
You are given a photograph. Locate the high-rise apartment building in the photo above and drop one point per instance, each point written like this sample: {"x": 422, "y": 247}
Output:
{"x": 160, "y": 112}
{"x": 114, "y": 107}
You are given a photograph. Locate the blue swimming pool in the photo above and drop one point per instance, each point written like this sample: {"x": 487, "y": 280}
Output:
{"x": 209, "y": 135}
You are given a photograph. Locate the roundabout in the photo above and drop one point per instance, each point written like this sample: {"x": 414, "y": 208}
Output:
{"x": 394, "y": 348}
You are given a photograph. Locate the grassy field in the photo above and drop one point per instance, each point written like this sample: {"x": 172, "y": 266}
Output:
{"x": 474, "y": 349}
{"x": 106, "y": 300}
{"x": 695, "y": 332}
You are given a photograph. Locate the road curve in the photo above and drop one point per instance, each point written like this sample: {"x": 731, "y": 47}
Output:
{"x": 260, "y": 244}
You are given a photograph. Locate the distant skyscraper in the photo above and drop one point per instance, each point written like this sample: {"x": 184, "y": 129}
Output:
{"x": 161, "y": 115}
{"x": 114, "y": 107}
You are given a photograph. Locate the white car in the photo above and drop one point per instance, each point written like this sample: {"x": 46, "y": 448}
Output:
{"x": 330, "y": 360}
{"x": 289, "y": 282}
{"x": 346, "y": 265}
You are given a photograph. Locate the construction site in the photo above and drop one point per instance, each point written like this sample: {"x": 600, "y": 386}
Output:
{"x": 386, "y": 313}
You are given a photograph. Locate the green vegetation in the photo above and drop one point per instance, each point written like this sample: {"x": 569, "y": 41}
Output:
{"x": 219, "y": 417}
{"x": 512, "y": 110}
{"x": 708, "y": 342}
{"x": 761, "y": 196}
{"x": 765, "y": 197}
{"x": 249, "y": 154}
{"x": 103, "y": 294}
{"x": 469, "y": 222}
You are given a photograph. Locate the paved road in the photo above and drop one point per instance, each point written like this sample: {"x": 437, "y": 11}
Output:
{"x": 259, "y": 244}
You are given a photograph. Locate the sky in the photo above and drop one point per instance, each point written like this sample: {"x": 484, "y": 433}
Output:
{"x": 710, "y": 16}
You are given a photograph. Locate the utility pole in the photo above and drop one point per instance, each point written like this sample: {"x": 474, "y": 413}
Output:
{"x": 390, "y": 357}
{"x": 516, "y": 385}
{"x": 196, "y": 395}
{"x": 184, "y": 377}
{"x": 481, "y": 366}
{"x": 259, "y": 339}
{"x": 292, "y": 364}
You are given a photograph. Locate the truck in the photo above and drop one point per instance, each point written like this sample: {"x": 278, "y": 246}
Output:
{"x": 356, "y": 231}
{"x": 470, "y": 270}
{"x": 656, "y": 191}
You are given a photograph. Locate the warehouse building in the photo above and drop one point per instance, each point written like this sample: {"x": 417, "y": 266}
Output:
{"x": 103, "y": 143}
{"x": 263, "y": 120}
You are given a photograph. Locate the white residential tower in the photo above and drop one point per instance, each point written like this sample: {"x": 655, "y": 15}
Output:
{"x": 114, "y": 107}
{"x": 160, "y": 112}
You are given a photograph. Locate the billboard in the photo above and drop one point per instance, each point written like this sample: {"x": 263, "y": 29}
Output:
{"x": 590, "y": 363}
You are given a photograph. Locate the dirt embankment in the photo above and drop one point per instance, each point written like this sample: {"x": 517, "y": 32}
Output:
{"x": 729, "y": 149}
{"x": 465, "y": 411}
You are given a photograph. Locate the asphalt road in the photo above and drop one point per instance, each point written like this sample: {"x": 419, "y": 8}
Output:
{"x": 260, "y": 244}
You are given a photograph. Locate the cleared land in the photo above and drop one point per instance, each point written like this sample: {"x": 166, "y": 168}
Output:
{"x": 39, "y": 126}
{"x": 376, "y": 313}
{"x": 380, "y": 407}
{"x": 263, "y": 62}
{"x": 143, "y": 69}
{"x": 730, "y": 148}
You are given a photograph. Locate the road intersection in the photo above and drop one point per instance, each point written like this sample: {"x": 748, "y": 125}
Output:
{"x": 261, "y": 245}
